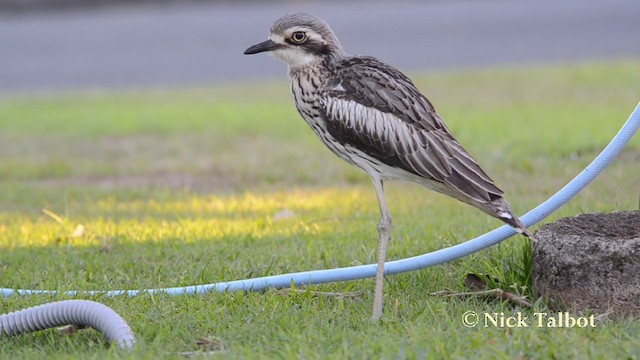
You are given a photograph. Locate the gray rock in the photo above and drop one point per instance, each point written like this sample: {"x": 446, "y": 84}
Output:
{"x": 591, "y": 261}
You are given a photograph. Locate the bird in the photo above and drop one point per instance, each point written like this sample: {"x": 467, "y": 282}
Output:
{"x": 371, "y": 115}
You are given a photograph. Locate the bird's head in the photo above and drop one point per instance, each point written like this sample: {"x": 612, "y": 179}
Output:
{"x": 300, "y": 40}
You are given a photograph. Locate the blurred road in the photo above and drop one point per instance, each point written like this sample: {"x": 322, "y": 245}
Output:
{"x": 203, "y": 43}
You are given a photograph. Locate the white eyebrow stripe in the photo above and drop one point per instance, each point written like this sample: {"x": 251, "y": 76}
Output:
{"x": 278, "y": 39}
{"x": 299, "y": 28}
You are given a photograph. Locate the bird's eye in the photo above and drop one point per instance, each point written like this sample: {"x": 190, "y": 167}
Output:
{"x": 299, "y": 37}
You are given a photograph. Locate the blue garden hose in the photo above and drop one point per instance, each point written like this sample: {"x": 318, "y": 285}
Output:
{"x": 398, "y": 266}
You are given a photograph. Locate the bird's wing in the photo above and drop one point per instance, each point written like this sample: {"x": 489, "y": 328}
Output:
{"x": 377, "y": 109}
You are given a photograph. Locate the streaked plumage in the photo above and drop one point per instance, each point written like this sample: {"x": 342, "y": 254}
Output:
{"x": 371, "y": 115}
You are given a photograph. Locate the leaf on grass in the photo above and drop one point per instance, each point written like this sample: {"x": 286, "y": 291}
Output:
{"x": 192, "y": 354}
{"x": 496, "y": 293}
{"x": 603, "y": 317}
{"x": 475, "y": 282}
{"x": 345, "y": 295}
{"x": 515, "y": 298}
{"x": 70, "y": 330}
{"x": 283, "y": 215}
{"x": 79, "y": 231}
{"x": 480, "y": 288}
{"x": 209, "y": 346}
{"x": 210, "y": 343}
{"x": 57, "y": 218}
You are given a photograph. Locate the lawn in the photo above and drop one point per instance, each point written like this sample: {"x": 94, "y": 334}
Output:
{"x": 177, "y": 187}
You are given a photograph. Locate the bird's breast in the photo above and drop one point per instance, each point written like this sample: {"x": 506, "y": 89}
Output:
{"x": 306, "y": 88}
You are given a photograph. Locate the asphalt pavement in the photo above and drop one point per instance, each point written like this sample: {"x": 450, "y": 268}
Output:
{"x": 200, "y": 44}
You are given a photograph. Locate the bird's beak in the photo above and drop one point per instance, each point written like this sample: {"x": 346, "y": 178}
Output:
{"x": 261, "y": 47}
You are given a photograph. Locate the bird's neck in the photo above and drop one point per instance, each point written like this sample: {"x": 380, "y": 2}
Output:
{"x": 319, "y": 69}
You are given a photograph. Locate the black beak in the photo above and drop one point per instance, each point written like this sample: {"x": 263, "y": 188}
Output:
{"x": 261, "y": 47}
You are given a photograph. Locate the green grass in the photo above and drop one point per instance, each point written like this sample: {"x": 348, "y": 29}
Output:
{"x": 181, "y": 187}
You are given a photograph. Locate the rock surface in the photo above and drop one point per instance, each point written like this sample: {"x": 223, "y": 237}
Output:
{"x": 591, "y": 261}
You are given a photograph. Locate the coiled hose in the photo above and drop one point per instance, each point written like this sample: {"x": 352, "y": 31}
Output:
{"x": 112, "y": 325}
{"x": 76, "y": 312}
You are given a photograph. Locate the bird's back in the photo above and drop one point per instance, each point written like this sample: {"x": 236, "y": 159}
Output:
{"x": 371, "y": 106}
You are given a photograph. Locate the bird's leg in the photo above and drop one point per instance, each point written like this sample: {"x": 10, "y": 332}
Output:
{"x": 384, "y": 232}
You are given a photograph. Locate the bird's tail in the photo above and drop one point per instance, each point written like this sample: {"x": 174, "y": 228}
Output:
{"x": 499, "y": 208}
{"x": 515, "y": 222}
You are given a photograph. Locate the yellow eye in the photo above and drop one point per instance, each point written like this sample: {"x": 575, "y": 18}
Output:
{"x": 299, "y": 37}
